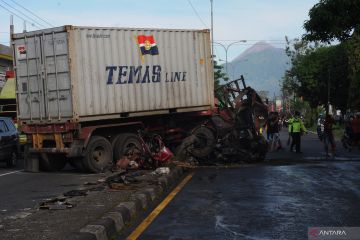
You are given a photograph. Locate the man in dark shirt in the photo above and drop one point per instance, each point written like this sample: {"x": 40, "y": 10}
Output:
{"x": 328, "y": 133}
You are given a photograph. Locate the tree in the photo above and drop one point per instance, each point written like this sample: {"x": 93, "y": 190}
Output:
{"x": 353, "y": 46}
{"x": 339, "y": 20}
{"x": 333, "y": 19}
{"x": 219, "y": 74}
{"x": 314, "y": 68}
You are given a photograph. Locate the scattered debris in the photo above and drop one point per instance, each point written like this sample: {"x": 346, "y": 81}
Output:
{"x": 96, "y": 189}
{"x": 76, "y": 193}
{"x": 123, "y": 178}
{"x": 162, "y": 170}
{"x": 122, "y": 163}
{"x": 101, "y": 180}
{"x": 56, "y": 204}
{"x": 121, "y": 186}
{"x": 133, "y": 165}
{"x": 19, "y": 215}
{"x": 90, "y": 183}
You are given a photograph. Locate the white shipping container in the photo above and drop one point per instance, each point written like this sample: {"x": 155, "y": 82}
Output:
{"x": 87, "y": 73}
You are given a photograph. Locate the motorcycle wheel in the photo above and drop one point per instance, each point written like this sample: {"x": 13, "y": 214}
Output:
{"x": 204, "y": 141}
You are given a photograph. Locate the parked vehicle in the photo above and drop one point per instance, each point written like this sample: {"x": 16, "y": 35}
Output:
{"x": 83, "y": 92}
{"x": 9, "y": 145}
{"x": 8, "y": 104}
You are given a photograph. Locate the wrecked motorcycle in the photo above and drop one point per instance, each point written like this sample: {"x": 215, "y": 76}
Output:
{"x": 149, "y": 154}
{"x": 231, "y": 134}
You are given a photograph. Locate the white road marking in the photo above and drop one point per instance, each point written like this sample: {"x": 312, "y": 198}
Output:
{"x": 10, "y": 173}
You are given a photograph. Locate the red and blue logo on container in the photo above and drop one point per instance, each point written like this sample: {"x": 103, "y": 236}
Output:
{"x": 147, "y": 45}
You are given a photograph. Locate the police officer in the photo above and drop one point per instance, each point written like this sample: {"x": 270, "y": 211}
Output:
{"x": 296, "y": 127}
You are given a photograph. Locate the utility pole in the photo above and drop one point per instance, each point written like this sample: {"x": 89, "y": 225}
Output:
{"x": 11, "y": 26}
{"x": 226, "y": 48}
{"x": 212, "y": 31}
{"x": 24, "y": 31}
{"x": 328, "y": 89}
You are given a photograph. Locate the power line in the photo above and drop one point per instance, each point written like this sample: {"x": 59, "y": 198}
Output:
{"x": 33, "y": 20}
{"x": 250, "y": 40}
{"x": 197, "y": 14}
{"x": 32, "y": 13}
{"x": 33, "y": 24}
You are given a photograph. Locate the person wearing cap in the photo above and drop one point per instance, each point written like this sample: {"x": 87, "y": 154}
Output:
{"x": 296, "y": 129}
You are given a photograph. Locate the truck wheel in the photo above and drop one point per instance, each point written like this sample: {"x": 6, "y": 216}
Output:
{"x": 52, "y": 162}
{"x": 98, "y": 155}
{"x": 204, "y": 142}
{"x": 124, "y": 143}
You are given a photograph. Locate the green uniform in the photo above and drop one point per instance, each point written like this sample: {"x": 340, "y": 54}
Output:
{"x": 290, "y": 124}
{"x": 296, "y": 125}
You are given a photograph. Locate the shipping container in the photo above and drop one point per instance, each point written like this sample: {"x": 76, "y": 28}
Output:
{"x": 83, "y": 93}
{"x": 79, "y": 74}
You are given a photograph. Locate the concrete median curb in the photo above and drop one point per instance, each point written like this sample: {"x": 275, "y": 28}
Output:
{"x": 119, "y": 218}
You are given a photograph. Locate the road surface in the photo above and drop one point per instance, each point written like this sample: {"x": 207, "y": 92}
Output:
{"x": 279, "y": 199}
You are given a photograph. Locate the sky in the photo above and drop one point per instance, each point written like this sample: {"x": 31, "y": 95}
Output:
{"x": 234, "y": 20}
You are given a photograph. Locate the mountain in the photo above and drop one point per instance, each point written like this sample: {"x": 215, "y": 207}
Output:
{"x": 262, "y": 66}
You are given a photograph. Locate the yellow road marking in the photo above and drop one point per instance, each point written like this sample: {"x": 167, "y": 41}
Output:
{"x": 149, "y": 219}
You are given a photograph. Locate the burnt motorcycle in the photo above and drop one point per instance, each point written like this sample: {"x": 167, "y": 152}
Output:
{"x": 230, "y": 135}
{"x": 148, "y": 152}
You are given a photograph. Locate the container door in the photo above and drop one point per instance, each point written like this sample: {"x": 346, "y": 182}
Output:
{"x": 57, "y": 85}
{"x": 29, "y": 73}
{"x": 43, "y": 77}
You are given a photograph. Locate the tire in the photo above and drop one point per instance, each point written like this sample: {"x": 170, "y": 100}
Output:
{"x": 125, "y": 142}
{"x": 204, "y": 142}
{"x": 12, "y": 161}
{"x": 52, "y": 162}
{"x": 98, "y": 155}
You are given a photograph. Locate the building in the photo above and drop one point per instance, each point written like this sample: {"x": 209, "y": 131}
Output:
{"x": 6, "y": 63}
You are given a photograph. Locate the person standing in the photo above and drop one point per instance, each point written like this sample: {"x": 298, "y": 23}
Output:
{"x": 268, "y": 127}
{"x": 296, "y": 129}
{"x": 290, "y": 139}
{"x": 276, "y": 142}
{"x": 328, "y": 134}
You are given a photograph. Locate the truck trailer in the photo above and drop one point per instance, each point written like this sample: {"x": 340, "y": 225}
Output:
{"x": 83, "y": 92}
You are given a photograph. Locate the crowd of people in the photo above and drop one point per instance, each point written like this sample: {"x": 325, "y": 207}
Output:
{"x": 296, "y": 129}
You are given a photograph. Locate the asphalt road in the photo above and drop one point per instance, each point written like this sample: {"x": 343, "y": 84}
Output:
{"x": 275, "y": 200}
{"x": 22, "y": 191}
{"x": 262, "y": 202}
{"x": 278, "y": 199}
